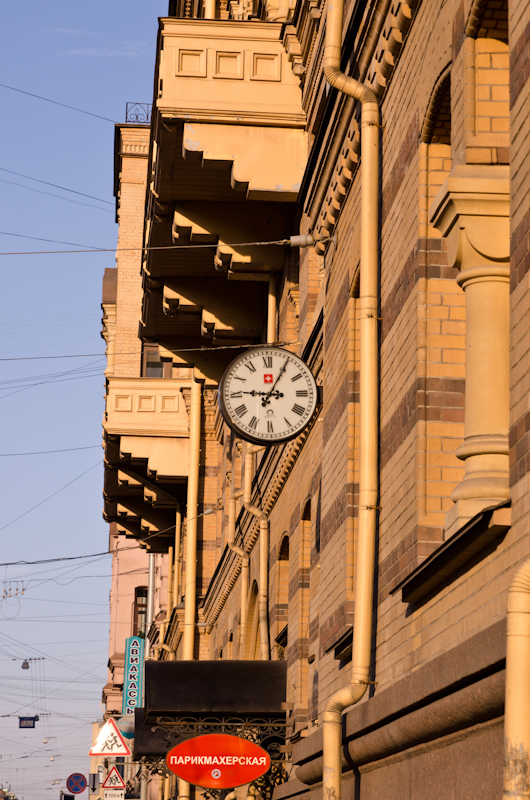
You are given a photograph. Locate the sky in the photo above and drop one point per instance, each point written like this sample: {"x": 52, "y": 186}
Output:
{"x": 95, "y": 57}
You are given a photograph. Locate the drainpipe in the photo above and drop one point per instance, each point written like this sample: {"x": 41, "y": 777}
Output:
{"x": 150, "y": 610}
{"x": 263, "y": 589}
{"x": 245, "y": 565}
{"x": 176, "y": 577}
{"x": 190, "y": 596}
{"x": 517, "y": 704}
{"x": 271, "y": 309}
{"x": 368, "y": 378}
{"x": 165, "y": 625}
{"x": 376, "y": 26}
{"x": 149, "y": 615}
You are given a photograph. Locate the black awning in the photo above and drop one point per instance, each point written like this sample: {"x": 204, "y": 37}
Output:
{"x": 219, "y": 688}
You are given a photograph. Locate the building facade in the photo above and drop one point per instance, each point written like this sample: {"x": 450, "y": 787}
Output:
{"x": 349, "y": 183}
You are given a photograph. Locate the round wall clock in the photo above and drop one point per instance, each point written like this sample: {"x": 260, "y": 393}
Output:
{"x": 267, "y": 395}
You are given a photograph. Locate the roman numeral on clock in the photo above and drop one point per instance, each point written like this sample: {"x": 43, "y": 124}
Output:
{"x": 241, "y": 410}
{"x": 253, "y": 422}
{"x": 250, "y": 366}
{"x": 301, "y": 393}
{"x": 236, "y": 394}
{"x": 296, "y": 409}
{"x": 270, "y": 429}
{"x": 296, "y": 377}
{"x": 267, "y": 361}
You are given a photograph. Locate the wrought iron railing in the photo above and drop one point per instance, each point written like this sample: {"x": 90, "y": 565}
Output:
{"x": 139, "y": 113}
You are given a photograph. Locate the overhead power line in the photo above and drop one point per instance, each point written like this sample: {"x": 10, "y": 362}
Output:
{"x": 56, "y": 186}
{"x": 50, "y": 496}
{"x": 40, "y": 239}
{"x": 47, "y": 452}
{"x": 203, "y": 348}
{"x": 56, "y": 103}
{"x": 142, "y": 249}
{"x": 53, "y": 560}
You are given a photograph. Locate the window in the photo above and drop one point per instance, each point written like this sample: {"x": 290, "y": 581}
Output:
{"x": 140, "y": 611}
{"x": 152, "y": 366}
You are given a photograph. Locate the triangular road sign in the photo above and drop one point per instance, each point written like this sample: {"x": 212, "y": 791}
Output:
{"x": 114, "y": 780}
{"x": 110, "y": 742}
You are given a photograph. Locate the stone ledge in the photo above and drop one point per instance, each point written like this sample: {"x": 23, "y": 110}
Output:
{"x": 463, "y": 686}
{"x": 482, "y": 534}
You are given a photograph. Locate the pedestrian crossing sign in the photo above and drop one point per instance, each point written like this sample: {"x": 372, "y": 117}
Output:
{"x": 114, "y": 780}
{"x": 110, "y": 742}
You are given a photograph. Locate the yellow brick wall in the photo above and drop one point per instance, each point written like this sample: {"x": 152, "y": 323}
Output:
{"x": 134, "y": 145}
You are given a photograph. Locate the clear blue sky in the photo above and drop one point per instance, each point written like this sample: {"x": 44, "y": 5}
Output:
{"x": 95, "y": 56}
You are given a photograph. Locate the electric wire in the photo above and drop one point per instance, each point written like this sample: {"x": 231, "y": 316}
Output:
{"x": 20, "y": 516}
{"x": 54, "y": 194}
{"x": 48, "y": 452}
{"x": 202, "y": 348}
{"x": 55, "y": 186}
{"x": 56, "y": 102}
{"x": 143, "y": 249}
{"x": 53, "y": 241}
{"x": 49, "y": 380}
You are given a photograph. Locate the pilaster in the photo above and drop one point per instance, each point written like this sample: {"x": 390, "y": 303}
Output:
{"x": 471, "y": 211}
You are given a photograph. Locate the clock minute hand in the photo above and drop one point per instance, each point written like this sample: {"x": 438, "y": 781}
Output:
{"x": 268, "y": 395}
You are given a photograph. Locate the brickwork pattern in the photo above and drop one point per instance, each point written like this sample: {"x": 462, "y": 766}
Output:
{"x": 422, "y": 386}
{"x": 520, "y": 272}
{"x": 134, "y": 145}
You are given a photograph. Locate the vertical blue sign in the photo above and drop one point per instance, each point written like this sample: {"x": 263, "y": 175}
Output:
{"x": 133, "y": 675}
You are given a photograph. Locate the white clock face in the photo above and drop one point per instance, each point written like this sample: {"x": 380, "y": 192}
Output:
{"x": 267, "y": 395}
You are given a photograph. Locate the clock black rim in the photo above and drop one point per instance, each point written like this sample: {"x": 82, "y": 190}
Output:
{"x": 243, "y": 434}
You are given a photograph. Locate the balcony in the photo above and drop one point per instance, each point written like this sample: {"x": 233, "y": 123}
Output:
{"x": 228, "y": 153}
{"x": 146, "y": 440}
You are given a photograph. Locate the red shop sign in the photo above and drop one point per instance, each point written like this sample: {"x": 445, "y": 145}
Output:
{"x": 218, "y": 761}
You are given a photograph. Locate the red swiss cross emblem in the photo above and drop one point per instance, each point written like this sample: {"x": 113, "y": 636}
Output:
{"x": 267, "y": 378}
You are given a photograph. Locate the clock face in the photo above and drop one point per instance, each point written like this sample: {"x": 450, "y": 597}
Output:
{"x": 267, "y": 395}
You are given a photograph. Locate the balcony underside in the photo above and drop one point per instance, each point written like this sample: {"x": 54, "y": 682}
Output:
{"x": 146, "y": 457}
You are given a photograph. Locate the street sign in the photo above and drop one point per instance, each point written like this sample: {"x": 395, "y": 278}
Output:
{"x": 218, "y": 761}
{"x": 114, "y": 780}
{"x": 76, "y": 783}
{"x": 113, "y": 794}
{"x": 93, "y": 782}
{"x": 109, "y": 742}
{"x": 134, "y": 668}
{"x": 27, "y": 722}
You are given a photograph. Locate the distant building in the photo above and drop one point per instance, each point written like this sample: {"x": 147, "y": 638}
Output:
{"x": 374, "y": 552}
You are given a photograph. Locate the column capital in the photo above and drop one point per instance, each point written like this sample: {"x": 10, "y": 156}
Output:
{"x": 472, "y": 211}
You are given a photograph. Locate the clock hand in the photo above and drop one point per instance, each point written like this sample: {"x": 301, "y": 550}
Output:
{"x": 256, "y": 393}
{"x": 266, "y": 399}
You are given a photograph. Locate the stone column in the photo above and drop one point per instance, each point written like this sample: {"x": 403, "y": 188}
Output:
{"x": 472, "y": 212}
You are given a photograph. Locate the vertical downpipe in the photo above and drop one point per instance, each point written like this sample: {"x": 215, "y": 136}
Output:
{"x": 369, "y": 400}
{"x": 271, "y": 309}
{"x": 190, "y": 597}
{"x": 192, "y": 505}
{"x": 144, "y": 778}
{"x": 517, "y": 704}
{"x": 176, "y": 577}
{"x": 245, "y": 559}
{"x": 263, "y": 589}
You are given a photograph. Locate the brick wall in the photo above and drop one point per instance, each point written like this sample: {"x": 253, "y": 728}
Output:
{"x": 133, "y": 149}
